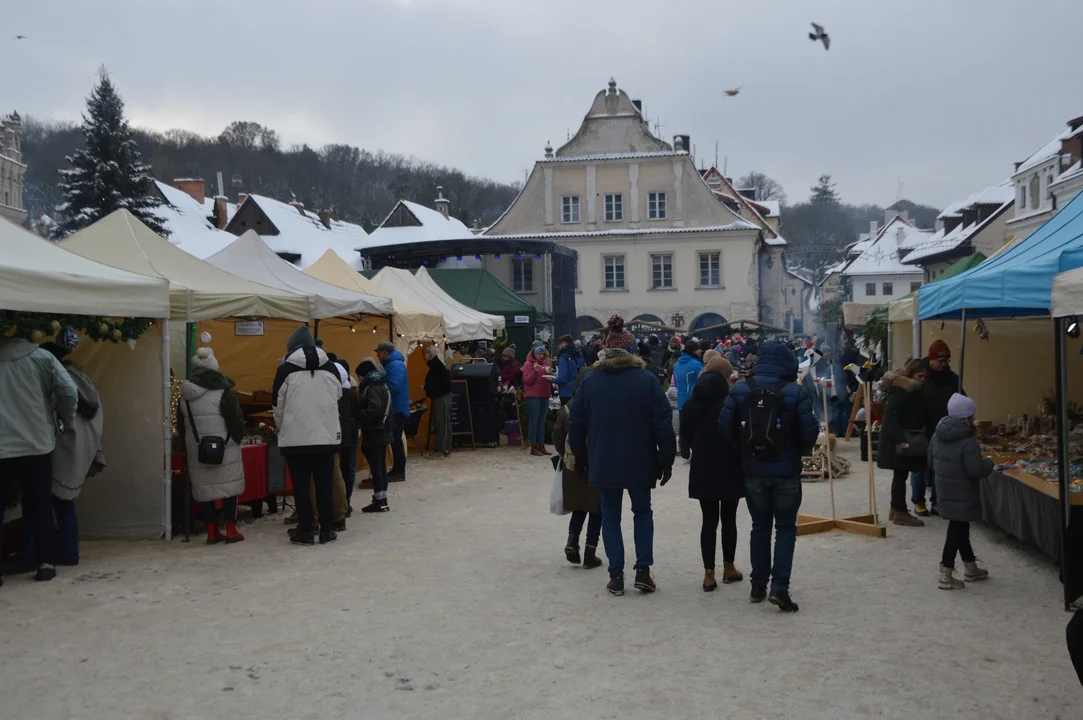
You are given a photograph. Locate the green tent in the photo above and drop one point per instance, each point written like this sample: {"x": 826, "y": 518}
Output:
{"x": 479, "y": 289}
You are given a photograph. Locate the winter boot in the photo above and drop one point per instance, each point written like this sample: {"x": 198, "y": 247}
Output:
{"x": 232, "y": 535}
{"x": 781, "y": 599}
{"x": 571, "y": 550}
{"x": 536, "y": 451}
{"x": 948, "y": 581}
{"x": 45, "y": 572}
{"x": 709, "y": 583}
{"x": 616, "y": 585}
{"x": 973, "y": 572}
{"x": 328, "y": 536}
{"x": 905, "y": 519}
{"x": 213, "y": 536}
{"x": 340, "y": 526}
{"x": 377, "y": 506}
{"x": 590, "y": 557}
{"x": 935, "y": 510}
{"x": 920, "y": 510}
{"x": 759, "y": 593}
{"x": 302, "y": 537}
{"x": 730, "y": 574}
{"x": 644, "y": 581}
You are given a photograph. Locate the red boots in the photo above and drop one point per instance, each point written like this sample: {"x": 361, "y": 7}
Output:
{"x": 232, "y": 535}
{"x": 213, "y": 536}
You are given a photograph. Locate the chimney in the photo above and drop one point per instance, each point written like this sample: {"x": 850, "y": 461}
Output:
{"x": 300, "y": 206}
{"x": 638, "y": 104}
{"x": 241, "y": 197}
{"x": 325, "y": 218}
{"x": 442, "y": 203}
{"x": 682, "y": 143}
{"x": 221, "y": 206}
{"x": 874, "y": 227}
{"x": 889, "y": 215}
{"x": 193, "y": 187}
{"x": 900, "y": 235}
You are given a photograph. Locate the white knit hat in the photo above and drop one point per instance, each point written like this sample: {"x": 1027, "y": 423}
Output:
{"x": 961, "y": 407}
{"x": 204, "y": 358}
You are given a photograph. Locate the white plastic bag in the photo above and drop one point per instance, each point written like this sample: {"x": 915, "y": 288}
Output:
{"x": 556, "y": 495}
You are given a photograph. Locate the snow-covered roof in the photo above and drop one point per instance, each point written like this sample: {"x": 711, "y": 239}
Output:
{"x": 434, "y": 227}
{"x": 739, "y": 225}
{"x": 615, "y": 156}
{"x": 1072, "y": 172}
{"x": 774, "y": 207}
{"x": 920, "y": 248}
{"x": 301, "y": 233}
{"x": 881, "y": 256}
{"x": 770, "y": 235}
{"x": 1048, "y": 151}
{"x": 186, "y": 220}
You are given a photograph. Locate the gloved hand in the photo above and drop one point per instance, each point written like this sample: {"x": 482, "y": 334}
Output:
{"x": 665, "y": 475}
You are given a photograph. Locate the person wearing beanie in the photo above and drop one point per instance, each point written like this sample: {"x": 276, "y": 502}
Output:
{"x": 685, "y": 374}
{"x": 373, "y": 416}
{"x": 305, "y": 398}
{"x": 209, "y": 409}
{"x": 903, "y": 440}
{"x": 394, "y": 364}
{"x": 537, "y": 390}
{"x": 715, "y": 478}
{"x": 768, "y": 418}
{"x": 938, "y": 388}
{"x": 647, "y": 354}
{"x": 511, "y": 377}
{"x": 957, "y": 462}
{"x": 569, "y": 362}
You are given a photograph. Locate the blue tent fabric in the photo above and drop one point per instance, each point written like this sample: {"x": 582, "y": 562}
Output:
{"x": 1017, "y": 282}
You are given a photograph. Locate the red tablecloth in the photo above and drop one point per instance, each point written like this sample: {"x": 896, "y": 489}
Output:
{"x": 254, "y": 458}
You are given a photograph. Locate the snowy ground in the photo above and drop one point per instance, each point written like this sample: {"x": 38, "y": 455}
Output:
{"x": 459, "y": 604}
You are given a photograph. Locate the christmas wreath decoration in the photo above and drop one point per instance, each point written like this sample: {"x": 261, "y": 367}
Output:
{"x": 37, "y": 327}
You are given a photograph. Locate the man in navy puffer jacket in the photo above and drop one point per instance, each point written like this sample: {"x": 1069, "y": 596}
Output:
{"x": 773, "y": 486}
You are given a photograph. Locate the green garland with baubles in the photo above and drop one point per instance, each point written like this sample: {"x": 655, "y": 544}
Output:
{"x": 37, "y": 327}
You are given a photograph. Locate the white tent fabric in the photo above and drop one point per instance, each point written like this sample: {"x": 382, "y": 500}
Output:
{"x": 413, "y": 323}
{"x": 250, "y": 258}
{"x": 902, "y": 309}
{"x": 197, "y": 291}
{"x": 462, "y": 323}
{"x": 1068, "y": 293}
{"x": 422, "y": 274}
{"x": 38, "y": 276}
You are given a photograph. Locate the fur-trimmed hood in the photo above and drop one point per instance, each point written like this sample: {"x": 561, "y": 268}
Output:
{"x": 617, "y": 360}
{"x": 893, "y": 379}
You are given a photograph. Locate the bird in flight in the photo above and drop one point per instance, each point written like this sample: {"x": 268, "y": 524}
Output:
{"x": 733, "y": 92}
{"x": 819, "y": 34}
{"x": 20, "y": 37}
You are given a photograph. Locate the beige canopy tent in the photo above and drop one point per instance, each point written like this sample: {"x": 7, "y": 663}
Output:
{"x": 461, "y": 323}
{"x": 197, "y": 290}
{"x": 904, "y": 330}
{"x": 1068, "y": 293}
{"x": 250, "y": 258}
{"x": 413, "y": 323}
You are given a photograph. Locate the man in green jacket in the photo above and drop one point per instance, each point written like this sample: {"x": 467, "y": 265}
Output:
{"x": 37, "y": 397}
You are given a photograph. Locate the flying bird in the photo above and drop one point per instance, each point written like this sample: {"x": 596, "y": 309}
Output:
{"x": 819, "y": 34}
{"x": 733, "y": 92}
{"x": 20, "y": 37}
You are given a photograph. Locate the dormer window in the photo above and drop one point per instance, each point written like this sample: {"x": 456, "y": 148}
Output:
{"x": 1035, "y": 192}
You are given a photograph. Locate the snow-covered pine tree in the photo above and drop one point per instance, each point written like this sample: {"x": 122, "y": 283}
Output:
{"x": 107, "y": 175}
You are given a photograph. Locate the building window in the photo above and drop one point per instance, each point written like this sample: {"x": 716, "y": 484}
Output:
{"x": 614, "y": 272}
{"x": 656, "y": 206}
{"x": 522, "y": 275}
{"x": 569, "y": 209}
{"x": 914, "y": 286}
{"x": 1035, "y": 192}
{"x": 710, "y": 270}
{"x": 889, "y": 289}
{"x": 870, "y": 289}
{"x": 614, "y": 207}
{"x": 661, "y": 271}
{"x": 1022, "y": 197}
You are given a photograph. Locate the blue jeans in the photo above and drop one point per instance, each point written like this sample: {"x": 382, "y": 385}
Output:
{"x": 594, "y": 526}
{"x": 919, "y": 480}
{"x": 612, "y": 499}
{"x": 841, "y": 410}
{"x": 537, "y": 412}
{"x": 772, "y": 500}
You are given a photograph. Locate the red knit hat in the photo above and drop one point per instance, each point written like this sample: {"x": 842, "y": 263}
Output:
{"x": 939, "y": 350}
{"x": 618, "y": 337}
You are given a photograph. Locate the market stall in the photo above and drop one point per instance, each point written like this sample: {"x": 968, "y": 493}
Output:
{"x": 37, "y": 276}
{"x": 1067, "y": 306}
{"x": 1015, "y": 284}
{"x": 197, "y": 291}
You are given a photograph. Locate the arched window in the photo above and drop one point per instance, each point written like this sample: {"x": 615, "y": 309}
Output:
{"x": 587, "y": 325}
{"x": 1035, "y": 192}
{"x": 708, "y": 320}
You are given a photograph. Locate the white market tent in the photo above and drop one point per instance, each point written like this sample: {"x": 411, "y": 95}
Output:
{"x": 413, "y": 323}
{"x": 249, "y": 257}
{"x": 38, "y": 276}
{"x": 462, "y": 323}
{"x": 1068, "y": 293}
{"x": 499, "y": 322}
{"x": 197, "y": 290}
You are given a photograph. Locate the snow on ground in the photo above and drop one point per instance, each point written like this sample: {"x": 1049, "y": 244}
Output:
{"x": 459, "y": 604}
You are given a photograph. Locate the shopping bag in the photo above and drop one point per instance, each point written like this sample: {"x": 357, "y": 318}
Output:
{"x": 556, "y": 495}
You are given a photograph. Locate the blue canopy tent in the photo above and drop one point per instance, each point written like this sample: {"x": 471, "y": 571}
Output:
{"x": 1018, "y": 283}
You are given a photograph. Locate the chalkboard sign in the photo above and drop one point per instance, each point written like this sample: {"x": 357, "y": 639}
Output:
{"x": 462, "y": 422}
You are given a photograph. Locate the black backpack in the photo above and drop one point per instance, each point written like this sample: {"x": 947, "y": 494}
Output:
{"x": 765, "y": 421}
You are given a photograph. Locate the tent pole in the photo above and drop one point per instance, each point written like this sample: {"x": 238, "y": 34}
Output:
{"x": 1061, "y": 391}
{"x": 316, "y": 329}
{"x": 887, "y": 353}
{"x": 167, "y": 431}
{"x": 915, "y": 330}
{"x": 962, "y": 347}
{"x": 189, "y": 351}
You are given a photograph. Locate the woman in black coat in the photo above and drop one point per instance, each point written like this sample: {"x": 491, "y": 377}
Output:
{"x": 715, "y": 478}
{"x": 904, "y": 419}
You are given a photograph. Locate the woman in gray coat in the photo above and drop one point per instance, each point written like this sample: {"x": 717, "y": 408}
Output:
{"x": 957, "y": 463}
{"x": 207, "y": 408}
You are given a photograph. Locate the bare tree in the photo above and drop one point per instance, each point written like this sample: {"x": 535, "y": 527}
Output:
{"x": 766, "y": 188}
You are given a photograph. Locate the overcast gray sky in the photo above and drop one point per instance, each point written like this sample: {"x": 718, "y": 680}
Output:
{"x": 941, "y": 94}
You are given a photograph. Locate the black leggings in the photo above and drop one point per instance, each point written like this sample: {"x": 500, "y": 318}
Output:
{"x": 899, "y": 476}
{"x": 713, "y": 511}
{"x": 957, "y": 541}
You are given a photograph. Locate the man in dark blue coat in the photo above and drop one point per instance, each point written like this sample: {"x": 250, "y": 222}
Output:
{"x": 773, "y": 480}
{"x": 622, "y": 423}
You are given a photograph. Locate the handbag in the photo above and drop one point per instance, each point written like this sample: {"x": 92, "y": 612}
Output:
{"x": 556, "y": 494}
{"x": 917, "y": 444}
{"x": 212, "y": 449}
